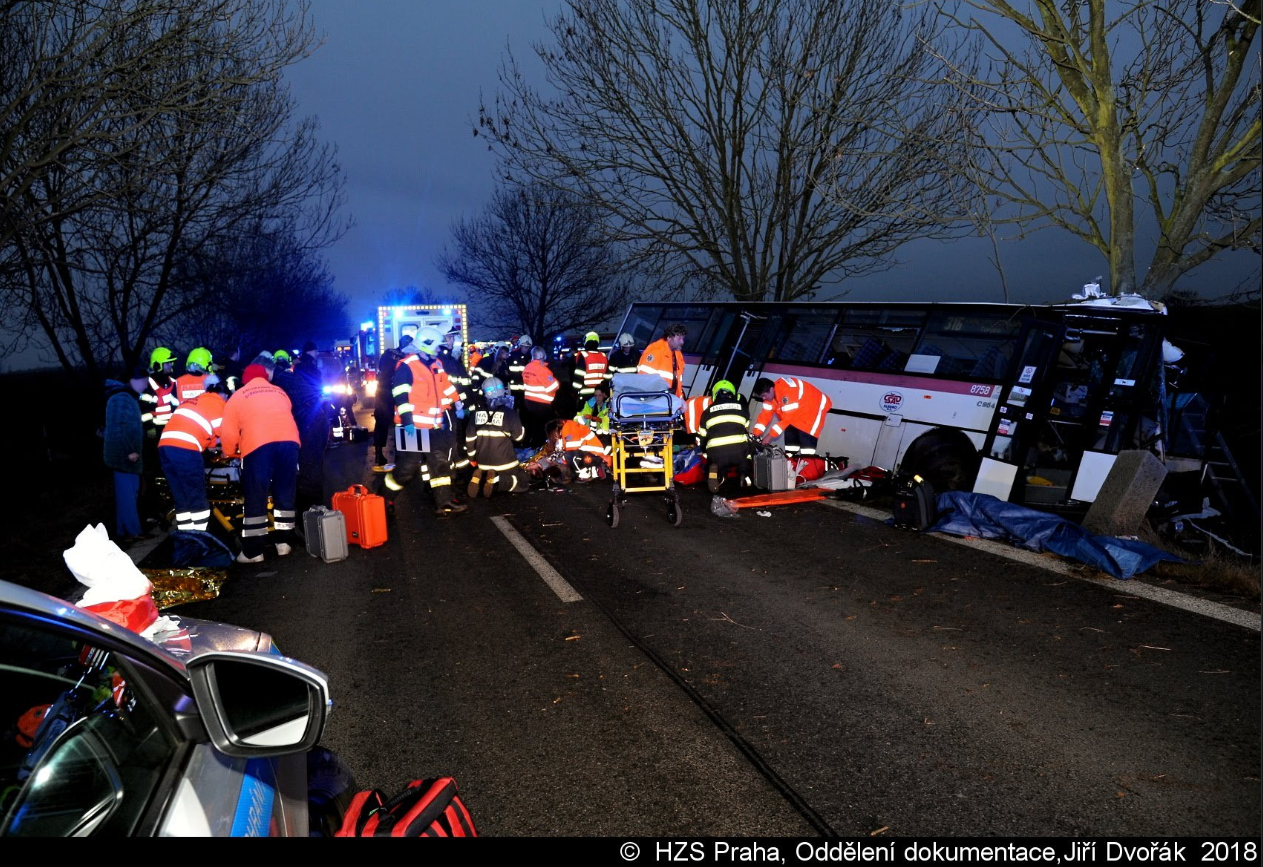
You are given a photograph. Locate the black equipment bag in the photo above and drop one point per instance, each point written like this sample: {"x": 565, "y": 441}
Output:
{"x": 914, "y": 503}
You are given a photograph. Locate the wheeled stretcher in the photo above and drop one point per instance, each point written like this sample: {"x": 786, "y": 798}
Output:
{"x": 643, "y": 418}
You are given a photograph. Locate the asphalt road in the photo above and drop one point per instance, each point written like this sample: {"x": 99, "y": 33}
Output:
{"x": 812, "y": 672}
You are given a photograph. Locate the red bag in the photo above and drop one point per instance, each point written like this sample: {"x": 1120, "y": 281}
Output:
{"x": 427, "y": 808}
{"x": 365, "y": 516}
{"x": 808, "y": 468}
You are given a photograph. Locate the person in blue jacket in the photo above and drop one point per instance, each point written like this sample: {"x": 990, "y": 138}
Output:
{"x": 124, "y": 444}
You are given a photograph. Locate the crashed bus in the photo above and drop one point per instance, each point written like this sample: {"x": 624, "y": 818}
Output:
{"x": 1029, "y": 403}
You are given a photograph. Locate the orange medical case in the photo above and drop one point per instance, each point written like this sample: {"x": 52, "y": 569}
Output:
{"x": 365, "y": 516}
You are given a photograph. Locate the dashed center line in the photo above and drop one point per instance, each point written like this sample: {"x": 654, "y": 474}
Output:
{"x": 551, "y": 577}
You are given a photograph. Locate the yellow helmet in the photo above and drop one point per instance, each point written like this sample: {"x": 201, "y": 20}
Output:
{"x": 159, "y": 357}
{"x": 199, "y": 359}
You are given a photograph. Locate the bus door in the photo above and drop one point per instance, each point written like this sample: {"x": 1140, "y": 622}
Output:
{"x": 741, "y": 358}
{"x": 1017, "y": 434}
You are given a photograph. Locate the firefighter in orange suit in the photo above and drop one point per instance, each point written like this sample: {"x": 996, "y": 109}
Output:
{"x": 664, "y": 358}
{"x": 259, "y": 427}
{"x": 539, "y": 388}
{"x": 423, "y": 393}
{"x": 792, "y": 407}
{"x": 585, "y": 452}
{"x": 193, "y": 428}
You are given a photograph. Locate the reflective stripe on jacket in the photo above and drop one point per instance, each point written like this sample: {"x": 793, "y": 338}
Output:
{"x": 591, "y": 369}
{"x": 578, "y": 437}
{"x": 489, "y": 438}
{"x": 795, "y": 403}
{"x": 693, "y": 409}
{"x": 724, "y": 424}
{"x": 189, "y": 386}
{"x": 158, "y": 402}
{"x": 422, "y": 392}
{"x": 660, "y": 359}
{"x": 195, "y": 424}
{"x": 539, "y": 383}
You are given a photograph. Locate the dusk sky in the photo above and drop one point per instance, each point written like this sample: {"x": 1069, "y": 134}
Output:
{"x": 396, "y": 86}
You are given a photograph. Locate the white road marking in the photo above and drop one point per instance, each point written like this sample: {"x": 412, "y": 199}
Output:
{"x": 1217, "y": 610}
{"x": 559, "y": 585}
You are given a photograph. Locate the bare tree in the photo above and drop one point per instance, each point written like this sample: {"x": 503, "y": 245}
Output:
{"x": 120, "y": 235}
{"x": 1100, "y": 111}
{"x": 763, "y": 148}
{"x": 265, "y": 292}
{"x": 537, "y": 261}
{"x": 78, "y": 84}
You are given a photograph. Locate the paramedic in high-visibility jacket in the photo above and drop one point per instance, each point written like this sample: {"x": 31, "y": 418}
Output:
{"x": 794, "y": 408}
{"x": 423, "y": 393}
{"x": 193, "y": 428}
{"x": 259, "y": 428}
{"x": 663, "y": 358}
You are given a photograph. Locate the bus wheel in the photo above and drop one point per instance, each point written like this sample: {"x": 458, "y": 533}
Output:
{"x": 944, "y": 458}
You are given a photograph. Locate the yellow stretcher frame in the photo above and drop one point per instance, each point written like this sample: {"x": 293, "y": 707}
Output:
{"x": 635, "y": 441}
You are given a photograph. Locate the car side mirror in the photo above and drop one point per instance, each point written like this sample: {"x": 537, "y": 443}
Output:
{"x": 258, "y": 706}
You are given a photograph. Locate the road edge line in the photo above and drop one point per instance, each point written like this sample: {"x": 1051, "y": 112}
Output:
{"x": 1205, "y": 607}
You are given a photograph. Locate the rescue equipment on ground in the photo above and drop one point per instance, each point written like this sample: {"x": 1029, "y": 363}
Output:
{"x": 365, "y": 516}
{"x": 324, "y": 531}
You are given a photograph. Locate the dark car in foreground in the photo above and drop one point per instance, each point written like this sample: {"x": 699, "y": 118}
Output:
{"x": 206, "y": 730}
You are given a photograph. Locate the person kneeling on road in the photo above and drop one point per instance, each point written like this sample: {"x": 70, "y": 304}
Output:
{"x": 723, "y": 431}
{"x": 489, "y": 439}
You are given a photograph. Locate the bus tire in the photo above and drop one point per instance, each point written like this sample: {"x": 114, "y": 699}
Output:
{"x": 945, "y": 458}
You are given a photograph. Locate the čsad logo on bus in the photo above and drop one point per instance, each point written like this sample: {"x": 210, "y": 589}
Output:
{"x": 891, "y": 401}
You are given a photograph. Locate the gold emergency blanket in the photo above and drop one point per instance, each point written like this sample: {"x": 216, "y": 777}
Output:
{"x": 172, "y": 587}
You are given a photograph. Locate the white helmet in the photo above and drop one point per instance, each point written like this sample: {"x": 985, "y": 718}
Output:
{"x": 428, "y": 340}
{"x": 626, "y": 341}
{"x": 525, "y": 341}
{"x": 492, "y": 388}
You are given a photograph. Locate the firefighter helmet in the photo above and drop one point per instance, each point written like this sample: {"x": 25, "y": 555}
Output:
{"x": 722, "y": 385}
{"x": 492, "y": 388}
{"x": 591, "y": 337}
{"x": 524, "y": 341}
{"x": 626, "y": 341}
{"x": 428, "y": 340}
{"x": 282, "y": 357}
{"x": 199, "y": 359}
{"x": 159, "y": 357}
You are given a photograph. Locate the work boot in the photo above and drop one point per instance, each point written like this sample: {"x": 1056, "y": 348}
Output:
{"x": 242, "y": 558}
{"x": 283, "y": 549}
{"x": 450, "y": 509}
{"x": 488, "y": 484}
{"x": 712, "y": 480}
{"x": 475, "y": 485}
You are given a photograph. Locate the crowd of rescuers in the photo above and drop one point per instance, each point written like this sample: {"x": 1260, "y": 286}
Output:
{"x": 266, "y": 421}
{"x": 516, "y": 419}
{"x": 512, "y": 421}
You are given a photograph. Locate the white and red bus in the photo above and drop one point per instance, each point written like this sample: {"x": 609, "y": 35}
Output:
{"x": 1029, "y": 403}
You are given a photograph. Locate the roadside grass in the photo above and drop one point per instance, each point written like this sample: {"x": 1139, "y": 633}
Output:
{"x": 1216, "y": 569}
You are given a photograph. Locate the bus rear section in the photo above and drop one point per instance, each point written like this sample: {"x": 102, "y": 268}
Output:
{"x": 1029, "y": 403}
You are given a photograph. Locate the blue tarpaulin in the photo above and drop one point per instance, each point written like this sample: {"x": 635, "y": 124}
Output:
{"x": 967, "y": 514}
